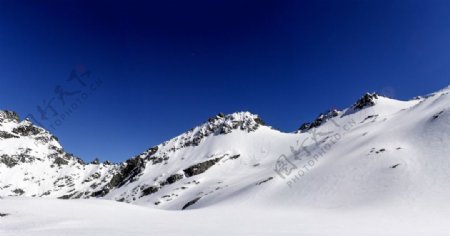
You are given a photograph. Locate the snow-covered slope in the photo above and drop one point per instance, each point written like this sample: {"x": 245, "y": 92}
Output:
{"x": 379, "y": 151}
{"x": 53, "y": 217}
{"x": 33, "y": 163}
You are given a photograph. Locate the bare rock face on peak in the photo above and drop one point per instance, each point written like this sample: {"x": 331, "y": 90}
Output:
{"x": 9, "y": 116}
{"x": 365, "y": 101}
{"x": 322, "y": 118}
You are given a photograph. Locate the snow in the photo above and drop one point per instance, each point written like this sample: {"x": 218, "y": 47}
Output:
{"x": 36, "y": 172}
{"x": 380, "y": 170}
{"x": 48, "y": 217}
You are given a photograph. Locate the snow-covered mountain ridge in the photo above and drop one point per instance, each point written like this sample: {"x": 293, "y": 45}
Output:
{"x": 377, "y": 150}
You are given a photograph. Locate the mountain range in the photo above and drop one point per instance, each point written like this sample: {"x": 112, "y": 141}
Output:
{"x": 377, "y": 151}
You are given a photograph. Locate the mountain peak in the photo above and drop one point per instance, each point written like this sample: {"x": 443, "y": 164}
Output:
{"x": 366, "y": 100}
{"x": 243, "y": 120}
{"x": 216, "y": 125}
{"x": 9, "y": 116}
{"x": 321, "y": 118}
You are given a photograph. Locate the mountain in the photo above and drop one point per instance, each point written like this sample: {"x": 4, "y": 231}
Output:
{"x": 378, "y": 151}
{"x": 33, "y": 163}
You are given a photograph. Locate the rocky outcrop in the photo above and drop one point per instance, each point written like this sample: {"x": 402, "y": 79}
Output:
{"x": 190, "y": 203}
{"x": 322, "y": 118}
{"x": 27, "y": 129}
{"x": 60, "y": 161}
{"x": 366, "y": 100}
{"x": 8, "y": 160}
{"x": 7, "y": 135}
{"x": 200, "y": 167}
{"x": 127, "y": 172}
{"x": 221, "y": 124}
{"x": 149, "y": 190}
{"x": 9, "y": 116}
{"x": 173, "y": 178}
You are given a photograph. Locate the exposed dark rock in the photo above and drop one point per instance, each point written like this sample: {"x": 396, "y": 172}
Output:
{"x": 116, "y": 180}
{"x": 222, "y": 124}
{"x": 235, "y": 157}
{"x": 69, "y": 196}
{"x": 128, "y": 173}
{"x": 322, "y": 118}
{"x": 190, "y": 203}
{"x": 149, "y": 190}
{"x": 395, "y": 166}
{"x": 132, "y": 168}
{"x": 96, "y": 161}
{"x": 43, "y": 139}
{"x": 150, "y": 152}
{"x": 365, "y": 101}
{"x": 18, "y": 191}
{"x": 217, "y": 117}
{"x": 377, "y": 151}
{"x": 27, "y": 130}
{"x": 91, "y": 178}
{"x": 305, "y": 126}
{"x": 8, "y": 161}
{"x": 6, "y": 135}
{"x": 75, "y": 195}
{"x": 263, "y": 181}
{"x": 174, "y": 178}
{"x": 369, "y": 117}
{"x": 101, "y": 193}
{"x": 157, "y": 160}
{"x": 79, "y": 160}
{"x": 3, "y": 214}
{"x": 60, "y": 161}
{"x": 46, "y": 193}
{"x": 9, "y": 115}
{"x": 259, "y": 121}
{"x": 437, "y": 115}
{"x": 200, "y": 167}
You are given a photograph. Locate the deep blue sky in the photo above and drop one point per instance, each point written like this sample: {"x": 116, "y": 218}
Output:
{"x": 167, "y": 67}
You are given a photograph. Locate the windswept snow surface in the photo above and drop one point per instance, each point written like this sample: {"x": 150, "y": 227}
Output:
{"x": 51, "y": 217}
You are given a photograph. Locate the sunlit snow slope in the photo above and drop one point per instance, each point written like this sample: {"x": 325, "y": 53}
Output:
{"x": 379, "y": 151}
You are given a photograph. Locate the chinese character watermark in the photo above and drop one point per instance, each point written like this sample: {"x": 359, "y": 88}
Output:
{"x": 51, "y": 112}
{"x": 312, "y": 148}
